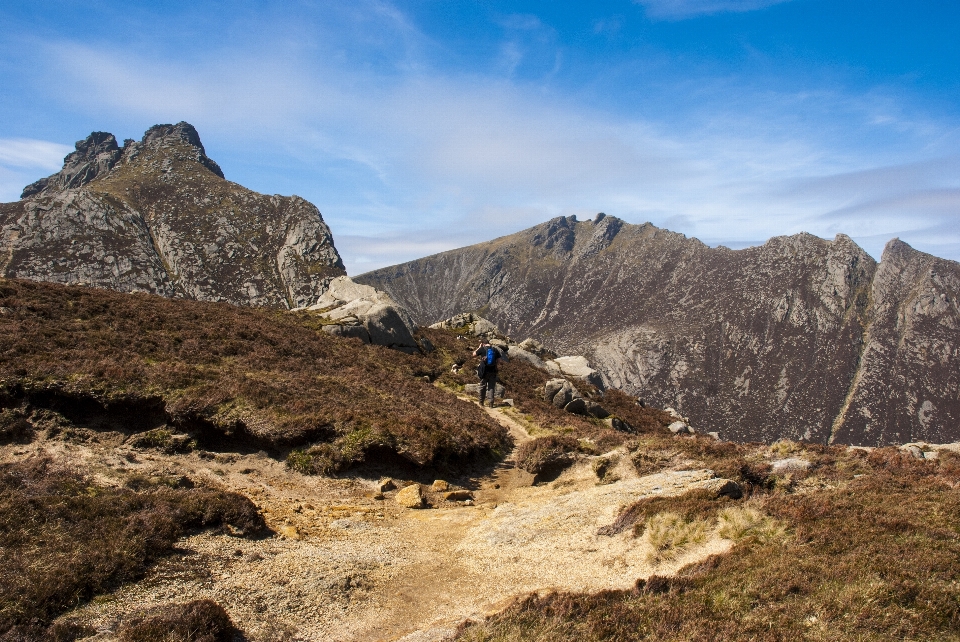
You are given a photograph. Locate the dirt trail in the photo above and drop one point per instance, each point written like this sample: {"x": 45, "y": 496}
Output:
{"x": 348, "y": 566}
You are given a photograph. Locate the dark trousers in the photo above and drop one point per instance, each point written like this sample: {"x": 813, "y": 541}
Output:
{"x": 489, "y": 381}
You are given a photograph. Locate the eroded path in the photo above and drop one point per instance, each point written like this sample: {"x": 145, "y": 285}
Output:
{"x": 348, "y": 566}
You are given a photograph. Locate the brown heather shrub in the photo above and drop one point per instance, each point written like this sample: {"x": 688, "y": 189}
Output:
{"x": 698, "y": 504}
{"x": 228, "y": 374}
{"x": 197, "y": 621}
{"x": 64, "y": 539}
{"x": 875, "y": 558}
{"x": 546, "y": 454}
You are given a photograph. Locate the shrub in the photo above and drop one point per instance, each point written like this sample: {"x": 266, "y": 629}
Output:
{"x": 227, "y": 374}
{"x": 197, "y": 621}
{"x": 547, "y": 454}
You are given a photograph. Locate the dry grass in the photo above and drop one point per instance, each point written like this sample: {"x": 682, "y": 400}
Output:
{"x": 740, "y": 522}
{"x": 669, "y": 534}
{"x": 64, "y": 539}
{"x": 228, "y": 375}
{"x": 873, "y": 556}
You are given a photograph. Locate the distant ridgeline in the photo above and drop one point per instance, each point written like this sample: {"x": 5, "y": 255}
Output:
{"x": 800, "y": 338}
{"x": 158, "y": 216}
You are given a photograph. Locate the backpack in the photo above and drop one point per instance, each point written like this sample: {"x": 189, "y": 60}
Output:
{"x": 492, "y": 356}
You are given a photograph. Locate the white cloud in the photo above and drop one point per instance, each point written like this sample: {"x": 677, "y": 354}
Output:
{"x": 682, "y": 9}
{"x": 405, "y": 162}
{"x": 32, "y": 154}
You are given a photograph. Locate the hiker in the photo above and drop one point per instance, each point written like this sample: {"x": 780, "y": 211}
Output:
{"x": 487, "y": 370}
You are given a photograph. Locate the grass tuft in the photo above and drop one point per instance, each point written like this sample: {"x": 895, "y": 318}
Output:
{"x": 670, "y": 534}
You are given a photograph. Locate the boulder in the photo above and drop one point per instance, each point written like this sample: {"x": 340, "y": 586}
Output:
{"x": 351, "y": 328}
{"x": 517, "y": 352}
{"x": 595, "y": 410}
{"x": 576, "y": 406}
{"x": 618, "y": 424}
{"x": 410, "y": 497}
{"x": 386, "y": 484}
{"x": 440, "y": 486}
{"x": 552, "y": 387}
{"x": 363, "y": 312}
{"x": 579, "y": 367}
{"x": 484, "y": 328}
{"x": 723, "y": 488}
{"x": 788, "y": 465}
{"x": 679, "y": 428}
{"x": 715, "y": 435}
{"x": 534, "y": 347}
{"x": 458, "y": 496}
{"x": 472, "y": 323}
{"x": 560, "y": 392}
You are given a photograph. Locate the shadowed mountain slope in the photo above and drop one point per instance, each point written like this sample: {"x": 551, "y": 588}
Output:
{"x": 801, "y": 337}
{"x": 158, "y": 216}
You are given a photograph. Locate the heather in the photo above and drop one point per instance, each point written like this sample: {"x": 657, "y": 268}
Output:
{"x": 64, "y": 539}
{"x": 229, "y": 376}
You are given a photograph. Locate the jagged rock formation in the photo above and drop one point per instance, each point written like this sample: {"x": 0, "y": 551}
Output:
{"x": 801, "y": 338}
{"x": 158, "y": 216}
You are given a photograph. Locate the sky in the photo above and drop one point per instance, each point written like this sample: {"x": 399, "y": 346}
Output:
{"x": 422, "y": 126}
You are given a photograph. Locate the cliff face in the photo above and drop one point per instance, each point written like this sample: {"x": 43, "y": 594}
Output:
{"x": 158, "y": 216}
{"x": 800, "y": 338}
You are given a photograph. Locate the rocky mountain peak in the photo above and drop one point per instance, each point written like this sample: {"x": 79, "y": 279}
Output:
{"x": 95, "y": 155}
{"x": 170, "y": 138}
{"x": 158, "y": 216}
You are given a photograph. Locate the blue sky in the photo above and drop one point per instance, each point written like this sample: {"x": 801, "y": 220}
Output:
{"x": 426, "y": 125}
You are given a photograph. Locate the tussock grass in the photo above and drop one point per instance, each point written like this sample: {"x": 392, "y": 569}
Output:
{"x": 739, "y": 522}
{"x": 669, "y": 534}
{"x": 63, "y": 539}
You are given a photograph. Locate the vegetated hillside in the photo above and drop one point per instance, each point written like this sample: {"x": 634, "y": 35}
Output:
{"x": 93, "y": 362}
{"x": 801, "y": 338}
{"x": 158, "y": 216}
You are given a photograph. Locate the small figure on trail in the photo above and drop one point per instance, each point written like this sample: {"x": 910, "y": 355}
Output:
{"x": 487, "y": 370}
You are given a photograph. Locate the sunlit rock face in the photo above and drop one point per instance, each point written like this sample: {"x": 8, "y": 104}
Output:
{"x": 158, "y": 216}
{"x": 799, "y": 338}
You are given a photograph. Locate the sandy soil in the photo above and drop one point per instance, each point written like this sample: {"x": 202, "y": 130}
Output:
{"x": 347, "y": 565}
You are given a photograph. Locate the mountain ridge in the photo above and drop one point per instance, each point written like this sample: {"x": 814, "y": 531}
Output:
{"x": 801, "y": 337}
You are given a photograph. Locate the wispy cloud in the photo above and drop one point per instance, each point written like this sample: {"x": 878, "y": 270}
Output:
{"x": 405, "y": 160}
{"x": 32, "y": 154}
{"x": 682, "y": 9}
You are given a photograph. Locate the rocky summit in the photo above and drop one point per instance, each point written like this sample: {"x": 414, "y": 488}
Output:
{"x": 158, "y": 216}
{"x": 800, "y": 338}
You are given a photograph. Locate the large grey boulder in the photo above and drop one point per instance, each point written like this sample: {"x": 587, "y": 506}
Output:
{"x": 560, "y": 392}
{"x": 517, "y": 352}
{"x": 577, "y": 367}
{"x": 361, "y": 311}
{"x": 471, "y": 323}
